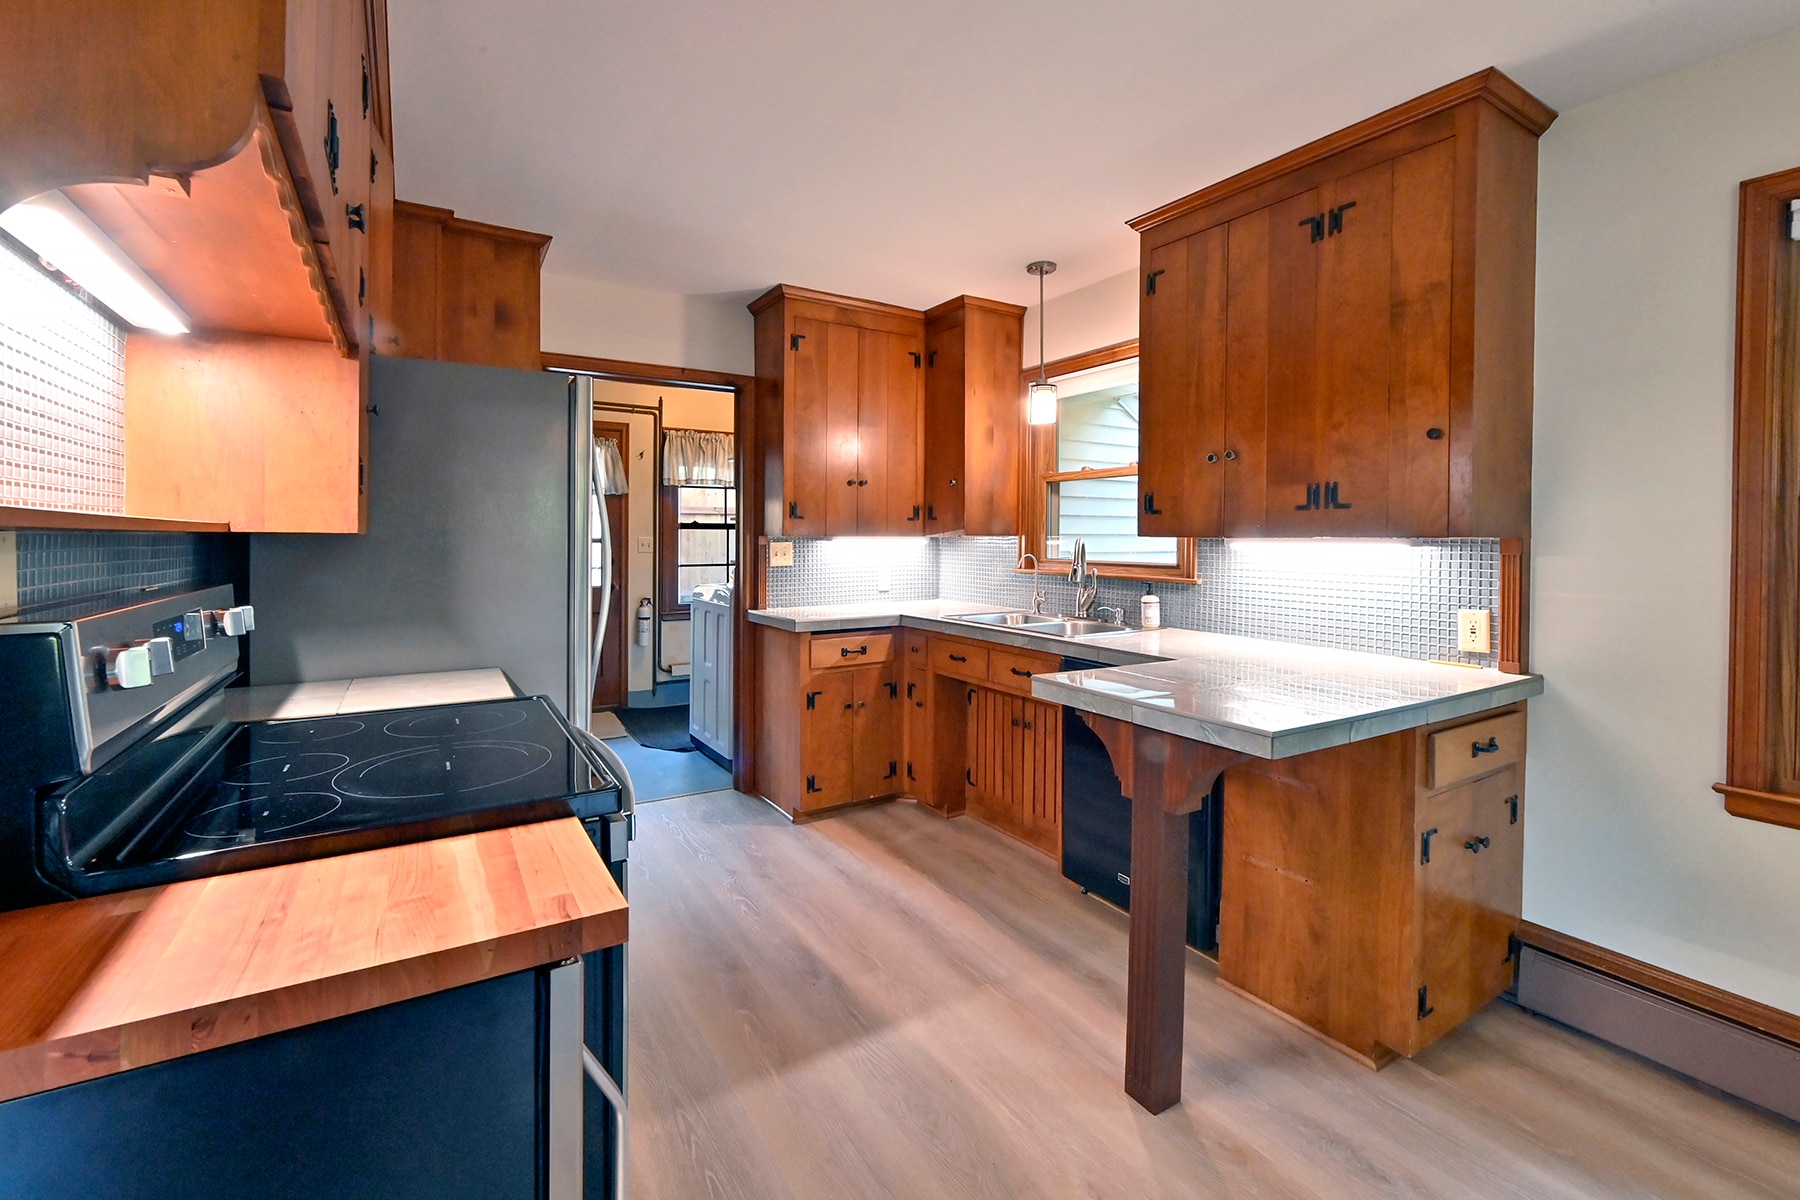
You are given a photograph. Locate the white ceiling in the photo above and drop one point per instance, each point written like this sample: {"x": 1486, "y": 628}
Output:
{"x": 910, "y": 151}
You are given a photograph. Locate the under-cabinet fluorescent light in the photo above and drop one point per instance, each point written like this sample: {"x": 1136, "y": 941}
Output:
{"x": 62, "y": 235}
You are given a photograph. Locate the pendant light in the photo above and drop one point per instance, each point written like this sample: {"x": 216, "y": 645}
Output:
{"x": 1040, "y": 406}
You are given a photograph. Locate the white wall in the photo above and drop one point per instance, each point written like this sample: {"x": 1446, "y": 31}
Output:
{"x": 1101, "y": 314}
{"x": 1626, "y": 845}
{"x": 607, "y": 320}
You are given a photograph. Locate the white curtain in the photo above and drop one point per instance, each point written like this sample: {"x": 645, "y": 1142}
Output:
{"x": 698, "y": 458}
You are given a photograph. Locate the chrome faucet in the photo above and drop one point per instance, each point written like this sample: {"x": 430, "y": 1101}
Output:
{"x": 1086, "y": 581}
{"x": 1037, "y": 597}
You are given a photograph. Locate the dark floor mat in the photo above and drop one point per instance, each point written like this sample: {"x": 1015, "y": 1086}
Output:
{"x": 657, "y": 728}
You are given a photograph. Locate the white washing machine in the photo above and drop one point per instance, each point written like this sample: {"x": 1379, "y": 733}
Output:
{"x": 709, "y": 683}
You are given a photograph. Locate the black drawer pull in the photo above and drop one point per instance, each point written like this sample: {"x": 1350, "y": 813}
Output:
{"x": 1477, "y": 749}
{"x": 958, "y": 658}
{"x": 1021, "y": 674}
{"x": 1477, "y": 845}
{"x": 846, "y": 651}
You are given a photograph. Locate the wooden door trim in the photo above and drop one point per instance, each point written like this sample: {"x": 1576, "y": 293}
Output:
{"x": 620, "y": 432}
{"x": 1750, "y": 759}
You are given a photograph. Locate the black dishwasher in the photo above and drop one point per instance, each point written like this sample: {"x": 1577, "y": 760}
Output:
{"x": 1096, "y": 829}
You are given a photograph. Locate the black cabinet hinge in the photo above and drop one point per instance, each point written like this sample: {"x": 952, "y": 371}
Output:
{"x": 1513, "y": 803}
{"x": 1150, "y": 282}
{"x": 893, "y": 691}
{"x": 918, "y": 359}
{"x": 812, "y": 698}
{"x": 893, "y": 770}
{"x": 367, "y": 90}
{"x": 969, "y": 776}
{"x": 795, "y": 340}
{"x": 1425, "y": 1009}
{"x": 333, "y": 147}
{"x": 1336, "y": 223}
{"x": 812, "y": 785}
{"x": 1150, "y": 505}
{"x": 1331, "y": 497}
{"x": 1312, "y": 499}
{"x": 1425, "y": 845}
{"x": 915, "y": 515}
{"x": 1513, "y": 946}
{"x": 909, "y": 771}
{"x": 931, "y": 358}
{"x": 794, "y": 510}
{"x": 1317, "y": 225}
{"x": 970, "y": 698}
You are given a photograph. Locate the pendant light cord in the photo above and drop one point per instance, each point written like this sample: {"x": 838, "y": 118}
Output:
{"x": 1040, "y": 276}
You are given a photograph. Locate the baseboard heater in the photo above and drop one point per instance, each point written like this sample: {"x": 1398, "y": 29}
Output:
{"x": 1734, "y": 1058}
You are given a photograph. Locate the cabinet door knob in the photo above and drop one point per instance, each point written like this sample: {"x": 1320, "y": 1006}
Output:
{"x": 1231, "y": 456}
{"x": 1434, "y": 433}
{"x": 849, "y": 483}
{"x": 1477, "y": 845}
{"x": 1212, "y": 458}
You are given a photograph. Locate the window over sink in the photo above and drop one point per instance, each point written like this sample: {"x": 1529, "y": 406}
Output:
{"x": 1084, "y": 474}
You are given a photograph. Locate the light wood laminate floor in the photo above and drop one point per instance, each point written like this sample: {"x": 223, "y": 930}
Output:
{"x": 887, "y": 1004}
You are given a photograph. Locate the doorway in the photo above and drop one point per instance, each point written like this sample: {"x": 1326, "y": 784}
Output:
{"x": 612, "y": 685}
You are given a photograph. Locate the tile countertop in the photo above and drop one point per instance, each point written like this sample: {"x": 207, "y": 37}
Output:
{"x": 1270, "y": 699}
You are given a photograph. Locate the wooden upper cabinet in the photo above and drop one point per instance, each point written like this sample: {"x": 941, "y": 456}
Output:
{"x": 237, "y": 151}
{"x": 464, "y": 291}
{"x": 840, "y": 405}
{"x": 974, "y": 417}
{"x": 1339, "y": 342}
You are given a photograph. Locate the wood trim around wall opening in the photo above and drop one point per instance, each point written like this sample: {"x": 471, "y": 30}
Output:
{"x": 1720, "y": 1003}
{"x": 1762, "y": 770}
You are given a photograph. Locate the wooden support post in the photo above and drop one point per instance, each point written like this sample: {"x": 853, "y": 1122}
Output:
{"x": 1167, "y": 778}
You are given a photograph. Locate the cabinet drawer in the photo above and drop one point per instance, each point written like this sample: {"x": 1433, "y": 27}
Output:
{"x": 1013, "y": 669}
{"x": 1475, "y": 749}
{"x": 852, "y": 650}
{"x": 965, "y": 660}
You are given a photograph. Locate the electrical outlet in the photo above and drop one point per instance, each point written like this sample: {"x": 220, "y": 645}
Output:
{"x": 647, "y": 545}
{"x": 1472, "y": 634}
{"x": 781, "y": 554}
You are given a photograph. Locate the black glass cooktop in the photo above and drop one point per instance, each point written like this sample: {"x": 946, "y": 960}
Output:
{"x": 209, "y": 795}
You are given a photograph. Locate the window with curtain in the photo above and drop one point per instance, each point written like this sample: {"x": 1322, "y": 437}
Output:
{"x": 699, "y": 515}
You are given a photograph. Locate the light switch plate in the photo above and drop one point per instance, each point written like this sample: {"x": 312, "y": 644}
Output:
{"x": 1472, "y": 632}
{"x": 781, "y": 554}
{"x": 647, "y": 544}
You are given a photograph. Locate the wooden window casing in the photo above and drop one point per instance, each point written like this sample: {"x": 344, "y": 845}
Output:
{"x": 1041, "y": 470}
{"x": 1763, "y": 747}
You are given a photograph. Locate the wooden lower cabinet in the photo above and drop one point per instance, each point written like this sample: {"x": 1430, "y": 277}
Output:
{"x": 1366, "y": 904}
{"x": 1015, "y": 777}
{"x": 831, "y": 734}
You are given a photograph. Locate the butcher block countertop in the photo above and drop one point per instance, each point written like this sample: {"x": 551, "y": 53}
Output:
{"x": 102, "y": 985}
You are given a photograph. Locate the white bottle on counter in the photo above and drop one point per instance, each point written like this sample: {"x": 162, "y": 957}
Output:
{"x": 1150, "y": 608}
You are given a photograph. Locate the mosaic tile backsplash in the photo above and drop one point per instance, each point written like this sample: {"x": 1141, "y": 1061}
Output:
{"x": 62, "y": 395}
{"x": 852, "y": 570}
{"x": 1381, "y": 597}
{"x": 69, "y": 566}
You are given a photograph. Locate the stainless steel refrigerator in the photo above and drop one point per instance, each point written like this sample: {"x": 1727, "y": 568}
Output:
{"x": 477, "y": 554}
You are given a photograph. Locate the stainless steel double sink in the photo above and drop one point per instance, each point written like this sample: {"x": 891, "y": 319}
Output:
{"x": 1048, "y": 626}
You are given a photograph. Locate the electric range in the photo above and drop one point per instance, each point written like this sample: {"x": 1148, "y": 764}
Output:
{"x": 142, "y": 775}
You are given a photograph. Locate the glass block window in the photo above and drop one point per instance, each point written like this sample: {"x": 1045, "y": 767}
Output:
{"x": 62, "y": 394}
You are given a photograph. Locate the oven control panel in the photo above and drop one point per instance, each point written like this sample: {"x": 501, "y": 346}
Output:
{"x": 186, "y": 634}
